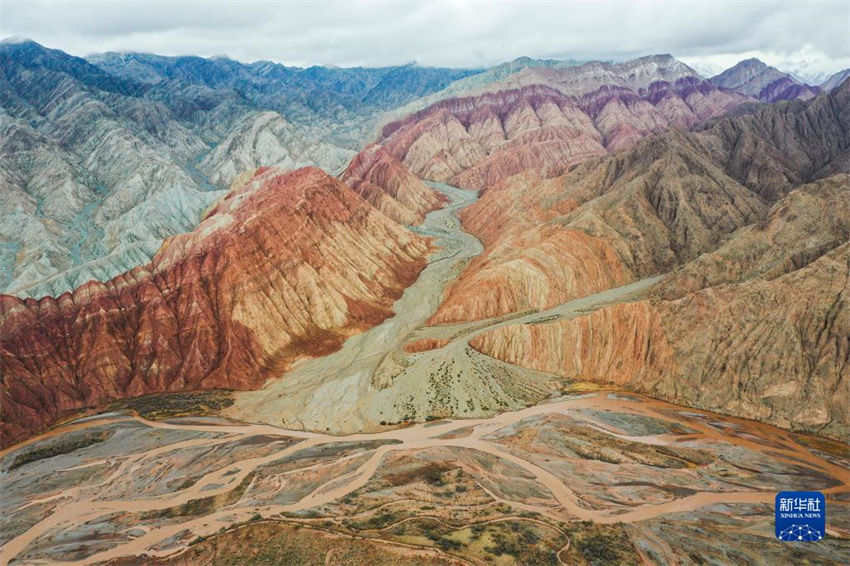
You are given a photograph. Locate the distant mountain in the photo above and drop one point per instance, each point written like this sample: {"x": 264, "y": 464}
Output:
{"x": 764, "y": 82}
{"x": 634, "y": 74}
{"x": 568, "y": 77}
{"x": 835, "y": 80}
{"x": 804, "y": 72}
{"x": 706, "y": 69}
{"x": 102, "y": 159}
{"x": 476, "y": 141}
{"x": 335, "y": 104}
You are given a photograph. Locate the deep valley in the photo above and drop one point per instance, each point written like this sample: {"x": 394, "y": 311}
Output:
{"x": 540, "y": 312}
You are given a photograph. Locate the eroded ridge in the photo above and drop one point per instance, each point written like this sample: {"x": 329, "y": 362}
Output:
{"x": 159, "y": 488}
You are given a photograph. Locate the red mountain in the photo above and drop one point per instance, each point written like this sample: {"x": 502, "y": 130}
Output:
{"x": 380, "y": 178}
{"x": 285, "y": 266}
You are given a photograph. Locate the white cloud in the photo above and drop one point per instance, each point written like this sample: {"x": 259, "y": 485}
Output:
{"x": 444, "y": 33}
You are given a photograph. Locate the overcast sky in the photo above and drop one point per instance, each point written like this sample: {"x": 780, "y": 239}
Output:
{"x": 709, "y": 35}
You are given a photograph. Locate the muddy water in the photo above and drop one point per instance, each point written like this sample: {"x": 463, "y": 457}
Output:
{"x": 81, "y": 505}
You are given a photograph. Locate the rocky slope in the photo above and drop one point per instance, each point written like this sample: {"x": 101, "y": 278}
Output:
{"x": 835, "y": 80}
{"x": 475, "y": 142}
{"x": 102, "y": 161}
{"x": 801, "y": 227}
{"x": 668, "y": 200}
{"x": 772, "y": 350}
{"x": 286, "y": 266}
{"x": 764, "y": 82}
{"x": 89, "y": 169}
{"x": 381, "y": 179}
{"x": 267, "y": 139}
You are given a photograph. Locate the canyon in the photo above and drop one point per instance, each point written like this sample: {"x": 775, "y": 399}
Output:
{"x": 547, "y": 312}
{"x": 738, "y": 236}
{"x": 286, "y": 265}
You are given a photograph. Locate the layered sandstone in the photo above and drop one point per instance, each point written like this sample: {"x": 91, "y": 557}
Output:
{"x": 381, "y": 179}
{"x": 835, "y": 80}
{"x": 656, "y": 207}
{"x": 286, "y": 266}
{"x": 474, "y": 142}
{"x": 774, "y": 350}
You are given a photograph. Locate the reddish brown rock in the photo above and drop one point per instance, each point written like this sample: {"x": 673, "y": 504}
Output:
{"x": 672, "y": 198}
{"x": 287, "y": 265}
{"x": 533, "y": 269}
{"x": 425, "y": 344}
{"x": 772, "y": 350}
{"x": 623, "y": 345}
{"x": 381, "y": 179}
{"x": 754, "y": 318}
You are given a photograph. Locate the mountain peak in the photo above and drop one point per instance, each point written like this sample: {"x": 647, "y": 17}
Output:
{"x": 751, "y": 62}
{"x": 751, "y": 76}
{"x": 16, "y": 40}
{"x": 664, "y": 65}
{"x": 835, "y": 80}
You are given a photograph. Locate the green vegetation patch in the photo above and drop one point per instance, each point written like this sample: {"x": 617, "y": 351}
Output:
{"x": 203, "y": 505}
{"x": 63, "y": 444}
{"x": 516, "y": 541}
{"x": 430, "y": 473}
{"x": 271, "y": 542}
{"x": 163, "y": 406}
{"x": 601, "y": 544}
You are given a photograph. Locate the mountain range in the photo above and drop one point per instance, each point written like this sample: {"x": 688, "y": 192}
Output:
{"x": 547, "y": 312}
{"x": 102, "y": 160}
{"x": 593, "y": 175}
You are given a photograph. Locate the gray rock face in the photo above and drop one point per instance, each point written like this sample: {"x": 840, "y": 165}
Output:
{"x": 92, "y": 175}
{"x": 267, "y": 139}
{"x": 835, "y": 80}
{"x": 766, "y": 83}
{"x": 100, "y": 162}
